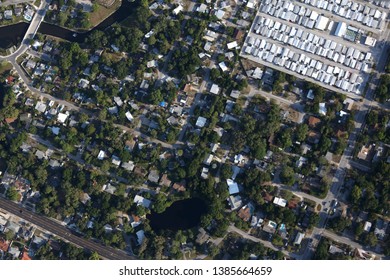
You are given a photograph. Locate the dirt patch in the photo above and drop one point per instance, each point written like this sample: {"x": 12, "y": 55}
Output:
{"x": 249, "y": 64}
{"x": 106, "y": 3}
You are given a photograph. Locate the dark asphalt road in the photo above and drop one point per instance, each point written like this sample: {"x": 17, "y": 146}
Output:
{"x": 62, "y": 232}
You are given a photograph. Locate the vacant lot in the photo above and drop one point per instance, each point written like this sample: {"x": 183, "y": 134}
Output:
{"x": 5, "y": 66}
{"x": 103, "y": 11}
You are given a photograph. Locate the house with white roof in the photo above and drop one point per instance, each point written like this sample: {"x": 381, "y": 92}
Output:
{"x": 101, "y": 155}
{"x": 8, "y": 14}
{"x": 202, "y": 8}
{"x": 223, "y": 66}
{"x": 128, "y": 165}
{"x": 205, "y": 173}
{"x": 40, "y": 107}
{"x": 61, "y": 117}
{"x": 178, "y": 9}
{"x": 115, "y": 160}
{"x": 280, "y": 201}
{"x": 140, "y": 200}
{"x": 298, "y": 239}
{"x": 214, "y": 89}
{"x": 232, "y": 45}
{"x": 235, "y": 202}
{"x": 219, "y": 14}
{"x": 233, "y": 187}
{"x": 367, "y": 226}
{"x": 129, "y": 116}
{"x": 322, "y": 110}
{"x": 118, "y": 101}
{"x": 201, "y": 122}
{"x": 109, "y": 188}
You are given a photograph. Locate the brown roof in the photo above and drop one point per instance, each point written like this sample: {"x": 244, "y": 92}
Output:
{"x": 25, "y": 256}
{"x": 292, "y": 204}
{"x": 180, "y": 187}
{"x": 165, "y": 181}
{"x": 313, "y": 121}
{"x": 10, "y": 79}
{"x": 341, "y": 134}
{"x": 187, "y": 88}
{"x": 140, "y": 171}
{"x": 312, "y": 133}
{"x": 364, "y": 152}
{"x": 10, "y": 120}
{"x": 22, "y": 184}
{"x": 238, "y": 34}
{"x": 244, "y": 213}
{"x": 130, "y": 144}
{"x": 314, "y": 137}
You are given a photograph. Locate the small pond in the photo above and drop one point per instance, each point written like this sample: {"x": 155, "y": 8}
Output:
{"x": 181, "y": 215}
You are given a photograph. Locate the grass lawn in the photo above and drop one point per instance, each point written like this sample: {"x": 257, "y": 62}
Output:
{"x": 102, "y": 13}
{"x": 14, "y": 20}
{"x": 40, "y": 147}
{"x": 115, "y": 57}
{"x": 5, "y": 66}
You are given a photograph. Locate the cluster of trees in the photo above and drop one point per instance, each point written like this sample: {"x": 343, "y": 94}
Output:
{"x": 64, "y": 19}
{"x": 241, "y": 250}
{"x": 166, "y": 32}
{"x": 318, "y": 92}
{"x": 7, "y": 100}
{"x": 184, "y": 61}
{"x": 287, "y": 175}
{"x": 12, "y": 194}
{"x": 371, "y": 191}
{"x": 253, "y": 132}
{"x": 195, "y": 28}
{"x": 252, "y": 180}
{"x": 287, "y": 135}
{"x": 165, "y": 131}
{"x": 377, "y": 131}
{"x": 322, "y": 252}
{"x": 64, "y": 201}
{"x": 367, "y": 238}
{"x": 69, "y": 252}
{"x": 339, "y": 224}
{"x": 166, "y": 93}
{"x": 280, "y": 78}
{"x": 383, "y": 90}
{"x": 226, "y": 81}
{"x": 160, "y": 203}
{"x": 127, "y": 39}
{"x": 72, "y": 57}
{"x": 165, "y": 245}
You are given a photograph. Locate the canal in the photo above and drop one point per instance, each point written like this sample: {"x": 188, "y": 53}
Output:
{"x": 12, "y": 34}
